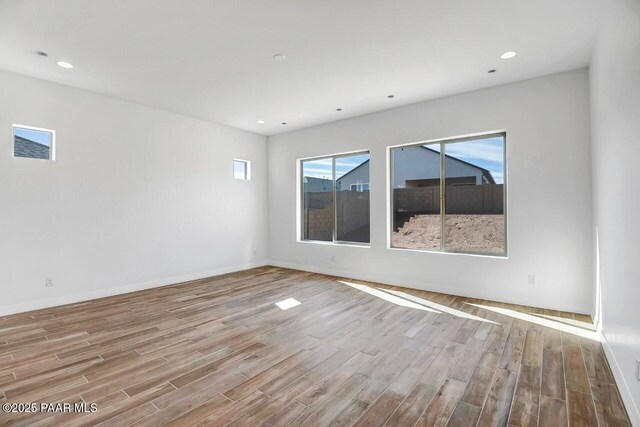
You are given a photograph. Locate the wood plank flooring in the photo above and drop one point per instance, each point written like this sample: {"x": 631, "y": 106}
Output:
{"x": 220, "y": 352}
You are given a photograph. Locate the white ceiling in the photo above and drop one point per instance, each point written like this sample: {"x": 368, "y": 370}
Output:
{"x": 212, "y": 59}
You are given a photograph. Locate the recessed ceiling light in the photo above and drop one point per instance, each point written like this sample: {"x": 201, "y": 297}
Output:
{"x": 278, "y": 57}
{"x": 390, "y": 96}
{"x": 64, "y": 64}
{"x": 41, "y": 53}
{"x": 508, "y": 55}
{"x": 338, "y": 109}
{"x": 491, "y": 71}
{"x": 260, "y": 122}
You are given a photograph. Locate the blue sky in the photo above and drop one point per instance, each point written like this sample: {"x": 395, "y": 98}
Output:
{"x": 321, "y": 168}
{"x": 486, "y": 153}
{"x": 239, "y": 170}
{"x": 40, "y": 137}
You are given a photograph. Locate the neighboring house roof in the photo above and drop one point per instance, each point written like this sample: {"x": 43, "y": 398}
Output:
{"x": 23, "y": 147}
{"x": 316, "y": 185}
{"x": 352, "y": 170}
{"x": 486, "y": 174}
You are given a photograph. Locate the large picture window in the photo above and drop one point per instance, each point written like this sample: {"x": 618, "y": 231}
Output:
{"x": 450, "y": 195}
{"x": 335, "y": 198}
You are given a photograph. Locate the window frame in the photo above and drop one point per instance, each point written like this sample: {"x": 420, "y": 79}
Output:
{"x": 443, "y": 142}
{"x": 300, "y": 199}
{"x": 52, "y": 148}
{"x": 247, "y": 170}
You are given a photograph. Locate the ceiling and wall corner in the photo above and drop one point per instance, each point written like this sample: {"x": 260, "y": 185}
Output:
{"x": 215, "y": 60}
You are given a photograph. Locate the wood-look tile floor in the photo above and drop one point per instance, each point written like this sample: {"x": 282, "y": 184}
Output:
{"x": 219, "y": 352}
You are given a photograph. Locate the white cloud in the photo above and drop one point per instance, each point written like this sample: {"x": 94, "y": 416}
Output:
{"x": 488, "y": 150}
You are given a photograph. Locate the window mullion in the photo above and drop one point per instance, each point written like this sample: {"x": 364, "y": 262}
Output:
{"x": 442, "y": 193}
{"x": 335, "y": 200}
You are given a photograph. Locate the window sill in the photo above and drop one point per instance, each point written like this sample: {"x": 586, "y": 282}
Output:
{"x": 471, "y": 254}
{"x": 347, "y": 244}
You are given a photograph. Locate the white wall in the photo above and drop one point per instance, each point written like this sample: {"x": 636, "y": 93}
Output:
{"x": 136, "y": 197}
{"x": 615, "y": 89}
{"x": 549, "y": 194}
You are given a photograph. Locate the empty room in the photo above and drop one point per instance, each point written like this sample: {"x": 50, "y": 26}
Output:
{"x": 320, "y": 213}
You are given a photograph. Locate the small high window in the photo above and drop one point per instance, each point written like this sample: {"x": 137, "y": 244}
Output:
{"x": 33, "y": 143}
{"x": 241, "y": 169}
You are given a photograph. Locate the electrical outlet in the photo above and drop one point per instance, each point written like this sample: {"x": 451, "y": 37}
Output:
{"x": 333, "y": 258}
{"x": 638, "y": 370}
{"x": 532, "y": 280}
{"x": 48, "y": 282}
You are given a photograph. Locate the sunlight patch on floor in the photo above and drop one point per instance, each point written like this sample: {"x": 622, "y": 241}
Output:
{"x": 411, "y": 301}
{"x": 391, "y": 298}
{"x": 436, "y": 306}
{"x": 288, "y": 303}
{"x": 405, "y": 299}
{"x": 542, "y": 321}
{"x": 567, "y": 321}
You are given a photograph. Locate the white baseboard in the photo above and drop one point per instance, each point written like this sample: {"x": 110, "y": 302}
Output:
{"x": 392, "y": 281}
{"x": 623, "y": 386}
{"x": 87, "y": 296}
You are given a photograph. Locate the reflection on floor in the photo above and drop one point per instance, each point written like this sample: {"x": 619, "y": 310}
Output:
{"x": 219, "y": 351}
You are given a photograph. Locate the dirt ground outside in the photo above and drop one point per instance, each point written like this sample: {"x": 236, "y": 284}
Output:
{"x": 469, "y": 233}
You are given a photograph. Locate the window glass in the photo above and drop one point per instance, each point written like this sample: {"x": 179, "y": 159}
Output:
{"x": 335, "y": 198}
{"x": 317, "y": 200}
{"x": 32, "y": 143}
{"x": 352, "y": 199}
{"x": 416, "y": 196}
{"x": 473, "y": 196}
{"x": 241, "y": 169}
